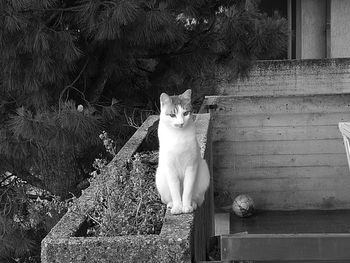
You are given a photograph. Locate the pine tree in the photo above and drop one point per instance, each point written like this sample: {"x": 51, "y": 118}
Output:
{"x": 109, "y": 57}
{"x": 72, "y": 68}
{"x": 42, "y": 134}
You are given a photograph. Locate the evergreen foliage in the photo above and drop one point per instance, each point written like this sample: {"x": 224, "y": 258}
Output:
{"x": 25, "y": 219}
{"x": 70, "y": 68}
{"x": 56, "y": 54}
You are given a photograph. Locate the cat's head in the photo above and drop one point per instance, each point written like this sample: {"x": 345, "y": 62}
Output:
{"x": 176, "y": 111}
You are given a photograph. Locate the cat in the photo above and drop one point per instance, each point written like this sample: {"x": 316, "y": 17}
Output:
{"x": 182, "y": 176}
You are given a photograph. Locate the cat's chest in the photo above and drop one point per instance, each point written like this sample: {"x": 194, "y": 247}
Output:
{"x": 177, "y": 143}
{"x": 179, "y": 156}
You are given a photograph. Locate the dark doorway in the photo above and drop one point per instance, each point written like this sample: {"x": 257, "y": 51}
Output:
{"x": 272, "y": 7}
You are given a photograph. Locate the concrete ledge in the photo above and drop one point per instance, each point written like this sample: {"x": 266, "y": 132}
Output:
{"x": 290, "y": 77}
{"x": 183, "y": 238}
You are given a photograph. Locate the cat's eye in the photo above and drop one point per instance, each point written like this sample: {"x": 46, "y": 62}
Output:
{"x": 172, "y": 115}
{"x": 186, "y": 113}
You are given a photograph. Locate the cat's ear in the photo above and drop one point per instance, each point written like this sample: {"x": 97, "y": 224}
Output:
{"x": 164, "y": 99}
{"x": 186, "y": 95}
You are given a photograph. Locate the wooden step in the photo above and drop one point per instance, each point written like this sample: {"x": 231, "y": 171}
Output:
{"x": 282, "y": 247}
{"x": 285, "y": 236}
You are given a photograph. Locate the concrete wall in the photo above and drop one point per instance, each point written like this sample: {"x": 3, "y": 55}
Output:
{"x": 290, "y": 77}
{"x": 312, "y": 22}
{"x": 276, "y": 136}
{"x": 340, "y": 28}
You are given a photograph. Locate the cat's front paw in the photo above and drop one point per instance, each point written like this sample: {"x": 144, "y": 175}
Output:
{"x": 176, "y": 209}
{"x": 187, "y": 209}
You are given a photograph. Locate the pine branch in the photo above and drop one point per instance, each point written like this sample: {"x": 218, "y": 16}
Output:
{"x": 103, "y": 74}
{"x": 71, "y": 85}
{"x": 100, "y": 84}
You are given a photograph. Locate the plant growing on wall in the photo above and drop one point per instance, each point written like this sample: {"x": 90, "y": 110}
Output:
{"x": 127, "y": 203}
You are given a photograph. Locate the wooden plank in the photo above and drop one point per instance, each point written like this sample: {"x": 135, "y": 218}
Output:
{"x": 269, "y": 222}
{"x": 277, "y": 194}
{"x": 285, "y": 247}
{"x": 286, "y": 104}
{"x": 285, "y": 184}
{"x": 223, "y": 120}
{"x": 291, "y": 133}
{"x": 235, "y": 173}
{"x": 222, "y": 224}
{"x": 292, "y": 200}
{"x": 286, "y": 160}
{"x": 279, "y": 147}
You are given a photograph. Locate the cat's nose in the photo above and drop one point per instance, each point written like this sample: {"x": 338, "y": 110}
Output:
{"x": 179, "y": 125}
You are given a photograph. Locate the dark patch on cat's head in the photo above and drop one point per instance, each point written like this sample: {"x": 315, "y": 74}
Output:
{"x": 172, "y": 102}
{"x": 183, "y": 99}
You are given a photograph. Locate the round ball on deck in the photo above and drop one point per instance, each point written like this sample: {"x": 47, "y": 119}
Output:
{"x": 243, "y": 205}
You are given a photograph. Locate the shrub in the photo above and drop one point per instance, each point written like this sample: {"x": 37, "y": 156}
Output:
{"x": 127, "y": 203}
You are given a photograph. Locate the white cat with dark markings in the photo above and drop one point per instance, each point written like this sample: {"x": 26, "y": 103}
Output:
{"x": 182, "y": 175}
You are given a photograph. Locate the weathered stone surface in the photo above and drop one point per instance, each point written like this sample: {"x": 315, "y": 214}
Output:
{"x": 276, "y": 136}
{"x": 183, "y": 238}
{"x": 289, "y": 77}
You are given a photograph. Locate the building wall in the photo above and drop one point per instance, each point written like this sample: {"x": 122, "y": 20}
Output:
{"x": 320, "y": 28}
{"x": 340, "y": 28}
{"x": 290, "y": 77}
{"x": 310, "y": 29}
{"x": 276, "y": 136}
{"x": 313, "y": 28}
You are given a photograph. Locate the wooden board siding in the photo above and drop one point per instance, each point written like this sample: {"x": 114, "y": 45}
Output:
{"x": 286, "y": 151}
{"x": 325, "y": 146}
{"x": 285, "y": 133}
{"x": 294, "y": 222}
{"x": 283, "y": 104}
